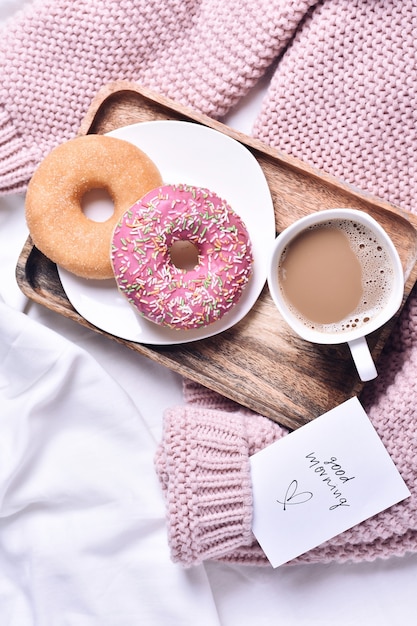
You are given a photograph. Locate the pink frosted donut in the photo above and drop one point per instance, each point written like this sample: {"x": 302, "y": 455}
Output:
{"x": 143, "y": 259}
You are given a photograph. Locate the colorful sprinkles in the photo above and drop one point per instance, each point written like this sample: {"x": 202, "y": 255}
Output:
{"x": 161, "y": 291}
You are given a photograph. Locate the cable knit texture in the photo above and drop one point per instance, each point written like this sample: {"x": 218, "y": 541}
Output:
{"x": 342, "y": 97}
{"x": 56, "y": 55}
{"x": 204, "y": 470}
{"x": 345, "y": 96}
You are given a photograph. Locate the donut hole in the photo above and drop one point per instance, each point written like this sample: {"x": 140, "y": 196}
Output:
{"x": 184, "y": 254}
{"x": 97, "y": 205}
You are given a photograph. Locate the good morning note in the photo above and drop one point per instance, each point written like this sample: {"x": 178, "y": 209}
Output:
{"x": 319, "y": 481}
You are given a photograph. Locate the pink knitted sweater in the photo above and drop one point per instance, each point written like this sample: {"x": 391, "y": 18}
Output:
{"x": 342, "y": 97}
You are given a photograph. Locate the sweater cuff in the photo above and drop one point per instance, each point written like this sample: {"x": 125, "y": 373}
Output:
{"x": 203, "y": 467}
{"x": 17, "y": 162}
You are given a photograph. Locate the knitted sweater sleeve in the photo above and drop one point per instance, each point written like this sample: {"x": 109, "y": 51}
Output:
{"x": 203, "y": 467}
{"x": 56, "y": 54}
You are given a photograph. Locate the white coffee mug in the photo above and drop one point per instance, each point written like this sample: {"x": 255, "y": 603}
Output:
{"x": 387, "y": 282}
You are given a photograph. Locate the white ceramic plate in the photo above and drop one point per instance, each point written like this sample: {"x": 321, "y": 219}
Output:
{"x": 189, "y": 153}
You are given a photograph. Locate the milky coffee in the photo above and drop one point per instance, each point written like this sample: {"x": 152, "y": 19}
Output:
{"x": 336, "y": 275}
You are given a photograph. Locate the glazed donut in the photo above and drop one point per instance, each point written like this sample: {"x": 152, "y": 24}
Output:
{"x": 145, "y": 273}
{"x": 54, "y": 214}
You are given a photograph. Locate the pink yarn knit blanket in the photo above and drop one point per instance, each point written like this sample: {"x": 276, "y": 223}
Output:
{"x": 342, "y": 97}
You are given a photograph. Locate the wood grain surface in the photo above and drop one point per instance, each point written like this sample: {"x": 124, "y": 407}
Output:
{"x": 259, "y": 362}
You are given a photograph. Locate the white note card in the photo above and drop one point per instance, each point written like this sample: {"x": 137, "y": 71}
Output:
{"x": 319, "y": 481}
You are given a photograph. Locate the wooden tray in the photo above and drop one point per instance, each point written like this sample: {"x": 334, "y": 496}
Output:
{"x": 259, "y": 362}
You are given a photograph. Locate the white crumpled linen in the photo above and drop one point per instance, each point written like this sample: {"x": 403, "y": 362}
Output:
{"x": 82, "y": 519}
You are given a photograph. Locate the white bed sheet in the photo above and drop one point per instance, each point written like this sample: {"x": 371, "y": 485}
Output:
{"x": 82, "y": 519}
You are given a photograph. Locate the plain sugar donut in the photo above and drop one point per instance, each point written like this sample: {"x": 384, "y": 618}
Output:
{"x": 144, "y": 270}
{"x": 54, "y": 214}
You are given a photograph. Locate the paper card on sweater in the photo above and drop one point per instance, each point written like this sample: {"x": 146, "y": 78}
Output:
{"x": 319, "y": 481}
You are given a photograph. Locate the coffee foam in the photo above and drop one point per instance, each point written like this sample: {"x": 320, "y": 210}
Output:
{"x": 377, "y": 277}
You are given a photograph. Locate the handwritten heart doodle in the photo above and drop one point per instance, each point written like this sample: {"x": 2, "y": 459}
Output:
{"x": 292, "y": 496}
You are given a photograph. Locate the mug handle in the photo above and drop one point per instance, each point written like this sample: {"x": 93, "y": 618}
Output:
{"x": 363, "y": 359}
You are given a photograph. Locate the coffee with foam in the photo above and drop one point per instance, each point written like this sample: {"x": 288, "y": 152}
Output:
{"x": 336, "y": 276}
